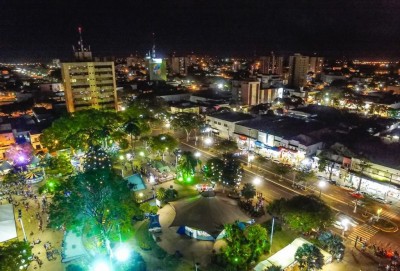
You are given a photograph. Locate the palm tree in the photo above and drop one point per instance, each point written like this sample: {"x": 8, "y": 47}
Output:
{"x": 186, "y": 165}
{"x": 132, "y": 128}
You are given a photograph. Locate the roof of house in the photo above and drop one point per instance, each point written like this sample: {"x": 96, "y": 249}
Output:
{"x": 232, "y": 116}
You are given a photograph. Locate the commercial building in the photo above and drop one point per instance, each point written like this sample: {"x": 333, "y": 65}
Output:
{"x": 89, "y": 85}
{"x": 223, "y": 124}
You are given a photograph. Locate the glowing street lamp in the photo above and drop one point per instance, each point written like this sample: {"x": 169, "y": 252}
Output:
{"x": 197, "y": 154}
{"x": 256, "y": 181}
{"x": 208, "y": 141}
{"x": 345, "y": 223}
{"x": 378, "y": 212}
{"x": 101, "y": 265}
{"x": 141, "y": 154}
{"x": 321, "y": 185}
{"x": 250, "y": 158}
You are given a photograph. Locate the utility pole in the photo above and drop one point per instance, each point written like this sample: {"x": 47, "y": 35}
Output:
{"x": 272, "y": 233}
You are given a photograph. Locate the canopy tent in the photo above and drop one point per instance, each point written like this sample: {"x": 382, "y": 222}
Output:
{"x": 208, "y": 214}
{"x": 32, "y": 177}
{"x": 8, "y": 229}
{"x": 73, "y": 247}
{"x": 154, "y": 225}
{"x": 5, "y": 167}
{"x": 162, "y": 167}
{"x": 285, "y": 257}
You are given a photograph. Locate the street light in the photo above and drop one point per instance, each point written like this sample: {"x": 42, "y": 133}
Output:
{"x": 321, "y": 185}
{"x": 197, "y": 154}
{"x": 250, "y": 158}
{"x": 122, "y": 253}
{"x": 101, "y": 265}
{"x": 345, "y": 223}
{"x": 208, "y": 141}
{"x": 256, "y": 181}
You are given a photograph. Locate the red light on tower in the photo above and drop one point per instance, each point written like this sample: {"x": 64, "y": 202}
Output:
{"x": 80, "y": 30}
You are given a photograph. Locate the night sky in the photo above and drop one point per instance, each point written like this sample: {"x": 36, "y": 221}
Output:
{"x": 42, "y": 30}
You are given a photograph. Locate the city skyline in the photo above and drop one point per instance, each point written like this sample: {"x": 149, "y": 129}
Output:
{"x": 44, "y": 30}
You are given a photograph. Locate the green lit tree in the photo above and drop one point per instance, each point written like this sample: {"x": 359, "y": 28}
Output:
{"x": 309, "y": 257}
{"x": 243, "y": 246}
{"x": 274, "y": 268}
{"x": 232, "y": 171}
{"x": 96, "y": 203}
{"x": 132, "y": 128}
{"x": 160, "y": 193}
{"x": 187, "y": 122}
{"x": 333, "y": 243}
{"x": 186, "y": 167}
{"x": 163, "y": 143}
{"x": 15, "y": 255}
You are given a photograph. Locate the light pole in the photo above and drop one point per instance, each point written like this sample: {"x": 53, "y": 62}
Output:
{"x": 378, "y": 212}
{"x": 321, "y": 185}
{"x": 250, "y": 158}
{"x": 345, "y": 223}
{"x": 272, "y": 233}
{"x": 355, "y": 206}
{"x": 208, "y": 141}
{"x": 23, "y": 229}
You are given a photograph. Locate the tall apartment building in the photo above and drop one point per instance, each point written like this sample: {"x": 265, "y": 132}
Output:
{"x": 298, "y": 69}
{"x": 271, "y": 64}
{"x": 244, "y": 91}
{"x": 316, "y": 64}
{"x": 89, "y": 85}
{"x": 179, "y": 65}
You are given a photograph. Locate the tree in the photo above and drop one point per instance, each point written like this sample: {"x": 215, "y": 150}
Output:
{"x": 280, "y": 169}
{"x": 83, "y": 129}
{"x": 248, "y": 191}
{"x": 333, "y": 244}
{"x": 274, "y": 268}
{"x": 15, "y": 255}
{"x": 309, "y": 257}
{"x": 226, "y": 146}
{"x": 187, "y": 164}
{"x": 160, "y": 193}
{"x": 244, "y": 246}
{"x": 232, "y": 171}
{"x": 94, "y": 203}
{"x": 213, "y": 169}
{"x": 170, "y": 194}
{"x": 59, "y": 165}
{"x": 96, "y": 158}
{"x": 363, "y": 164}
{"x": 187, "y": 122}
{"x": 302, "y": 176}
{"x": 162, "y": 143}
{"x": 132, "y": 128}
{"x": 304, "y": 213}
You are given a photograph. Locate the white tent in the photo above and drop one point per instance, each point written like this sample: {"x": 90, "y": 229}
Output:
{"x": 7, "y": 224}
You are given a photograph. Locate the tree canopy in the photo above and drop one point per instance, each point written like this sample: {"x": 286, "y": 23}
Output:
{"x": 94, "y": 202}
{"x": 163, "y": 142}
{"x": 15, "y": 255}
{"x": 309, "y": 257}
{"x": 227, "y": 171}
{"x": 244, "y": 245}
{"x": 248, "y": 191}
{"x": 226, "y": 146}
{"x": 304, "y": 213}
{"x": 83, "y": 129}
{"x": 187, "y": 164}
{"x": 187, "y": 122}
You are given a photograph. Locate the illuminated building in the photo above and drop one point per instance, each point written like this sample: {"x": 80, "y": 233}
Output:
{"x": 88, "y": 84}
{"x": 298, "y": 68}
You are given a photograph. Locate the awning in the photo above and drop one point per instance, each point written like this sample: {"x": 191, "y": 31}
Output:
{"x": 7, "y": 223}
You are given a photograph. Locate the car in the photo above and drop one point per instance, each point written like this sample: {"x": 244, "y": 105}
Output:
{"x": 356, "y": 194}
{"x": 381, "y": 200}
{"x": 340, "y": 217}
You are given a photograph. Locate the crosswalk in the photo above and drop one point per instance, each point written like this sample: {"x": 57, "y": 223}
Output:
{"x": 390, "y": 216}
{"x": 364, "y": 231}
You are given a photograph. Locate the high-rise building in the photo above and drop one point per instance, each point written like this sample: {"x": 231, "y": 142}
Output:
{"x": 316, "y": 64}
{"x": 271, "y": 64}
{"x": 179, "y": 65}
{"x": 298, "y": 69}
{"x": 89, "y": 85}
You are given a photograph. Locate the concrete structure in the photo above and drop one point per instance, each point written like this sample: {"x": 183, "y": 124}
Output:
{"x": 298, "y": 68}
{"x": 186, "y": 107}
{"x": 330, "y": 77}
{"x": 271, "y": 64}
{"x": 89, "y": 85}
{"x": 246, "y": 92}
{"x": 223, "y": 124}
{"x": 179, "y": 65}
{"x": 316, "y": 64}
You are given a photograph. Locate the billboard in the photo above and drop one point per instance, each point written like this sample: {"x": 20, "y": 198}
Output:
{"x": 157, "y": 69}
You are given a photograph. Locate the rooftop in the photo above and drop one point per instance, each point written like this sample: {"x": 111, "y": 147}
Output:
{"x": 232, "y": 116}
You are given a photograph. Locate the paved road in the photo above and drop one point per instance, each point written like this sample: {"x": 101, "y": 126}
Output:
{"x": 275, "y": 187}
